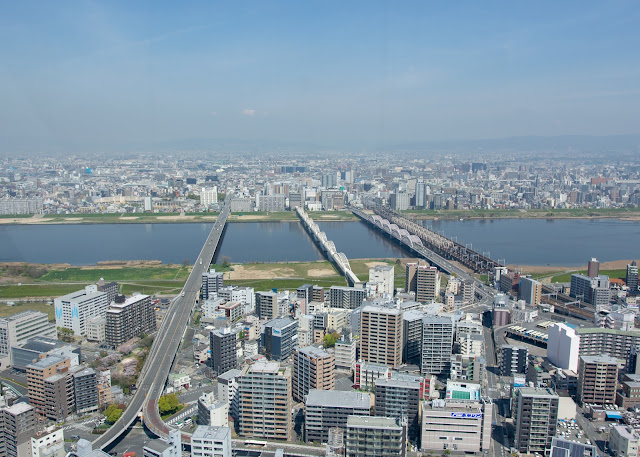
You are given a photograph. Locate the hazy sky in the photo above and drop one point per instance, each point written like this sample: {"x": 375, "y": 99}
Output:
{"x": 101, "y": 74}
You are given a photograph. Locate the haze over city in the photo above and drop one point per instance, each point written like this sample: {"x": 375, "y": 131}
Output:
{"x": 119, "y": 76}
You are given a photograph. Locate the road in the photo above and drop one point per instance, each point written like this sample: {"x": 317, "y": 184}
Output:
{"x": 156, "y": 369}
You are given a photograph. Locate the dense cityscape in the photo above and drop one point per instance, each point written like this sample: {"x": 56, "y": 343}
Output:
{"x": 445, "y": 351}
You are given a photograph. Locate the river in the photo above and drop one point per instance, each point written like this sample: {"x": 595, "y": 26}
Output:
{"x": 569, "y": 242}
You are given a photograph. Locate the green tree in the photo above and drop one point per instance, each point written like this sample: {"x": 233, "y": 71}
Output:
{"x": 329, "y": 340}
{"x": 113, "y": 413}
{"x": 241, "y": 335}
{"x": 167, "y": 404}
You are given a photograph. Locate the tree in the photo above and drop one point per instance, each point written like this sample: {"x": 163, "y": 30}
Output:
{"x": 113, "y": 413}
{"x": 329, "y": 340}
{"x": 241, "y": 335}
{"x": 167, "y": 404}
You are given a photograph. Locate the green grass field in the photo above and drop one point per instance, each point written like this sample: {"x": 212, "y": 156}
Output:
{"x": 566, "y": 277}
{"x": 40, "y": 290}
{"x": 117, "y": 274}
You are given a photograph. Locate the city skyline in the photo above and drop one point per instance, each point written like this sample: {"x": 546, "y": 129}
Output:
{"x": 113, "y": 76}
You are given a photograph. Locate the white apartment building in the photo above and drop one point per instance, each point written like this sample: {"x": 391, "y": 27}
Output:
{"x": 563, "y": 346}
{"x": 383, "y": 274}
{"x": 623, "y": 441}
{"x": 209, "y": 195}
{"x": 73, "y": 310}
{"x": 17, "y": 329}
{"x": 210, "y": 441}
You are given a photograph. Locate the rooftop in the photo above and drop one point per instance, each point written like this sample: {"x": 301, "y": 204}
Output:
{"x": 206, "y": 432}
{"x": 537, "y": 392}
{"x": 338, "y": 399}
{"x": 47, "y": 362}
{"x": 22, "y": 315}
{"x": 313, "y": 351}
{"x": 372, "y": 422}
{"x": 599, "y": 359}
{"x": 279, "y": 323}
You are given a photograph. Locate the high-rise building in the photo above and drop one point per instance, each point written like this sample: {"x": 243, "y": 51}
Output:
{"x": 381, "y": 335}
{"x": 399, "y": 399}
{"x": 593, "y": 290}
{"x": 427, "y": 284}
{"x": 399, "y": 201}
{"x": 212, "y": 281}
{"x": 223, "y": 350}
{"x": 85, "y": 386}
{"x": 210, "y": 441}
{"x": 73, "y": 310}
{"x": 437, "y": 344}
{"x": 267, "y": 305}
{"x": 412, "y": 336}
{"x": 536, "y": 419}
{"x": 616, "y": 343}
{"x": 597, "y": 379}
{"x": 212, "y": 412}
{"x": 228, "y": 390}
{"x": 313, "y": 368}
{"x": 513, "y": 360}
{"x": 17, "y": 426}
{"x": 329, "y": 180}
{"x": 264, "y": 391}
{"x": 379, "y": 436}
{"x": 59, "y": 398}
{"x": 37, "y": 373}
{"x": 421, "y": 194}
{"x": 209, "y": 196}
{"x": 15, "y": 330}
{"x": 563, "y": 346}
{"x": 346, "y": 297}
{"x": 632, "y": 276}
{"x": 593, "y": 268}
{"x": 530, "y": 290}
{"x": 457, "y": 425}
{"x": 383, "y": 274}
{"x": 278, "y": 338}
{"x": 326, "y": 409}
{"x": 129, "y": 318}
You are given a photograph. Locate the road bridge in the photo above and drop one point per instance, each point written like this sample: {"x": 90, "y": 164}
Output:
{"x": 328, "y": 247}
{"x": 154, "y": 375}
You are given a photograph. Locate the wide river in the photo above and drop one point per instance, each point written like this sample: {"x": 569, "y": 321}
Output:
{"x": 567, "y": 242}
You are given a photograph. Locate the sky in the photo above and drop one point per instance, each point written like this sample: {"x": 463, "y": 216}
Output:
{"x": 99, "y": 75}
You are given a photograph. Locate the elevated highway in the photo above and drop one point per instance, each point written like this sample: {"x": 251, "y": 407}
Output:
{"x": 161, "y": 357}
{"x": 328, "y": 247}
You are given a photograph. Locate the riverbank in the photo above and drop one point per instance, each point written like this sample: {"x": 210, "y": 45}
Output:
{"x": 616, "y": 269}
{"x": 165, "y": 218}
{"x": 628, "y": 214}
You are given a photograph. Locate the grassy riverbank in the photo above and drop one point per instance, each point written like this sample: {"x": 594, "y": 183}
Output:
{"x": 165, "y": 218}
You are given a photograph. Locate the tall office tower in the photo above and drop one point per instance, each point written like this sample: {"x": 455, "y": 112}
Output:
{"x": 563, "y": 346}
{"x": 399, "y": 201}
{"x": 437, "y": 344}
{"x": 632, "y": 276}
{"x": 597, "y": 379}
{"x": 427, "y": 284}
{"x": 399, "y": 399}
{"x": 530, "y": 290}
{"x": 18, "y": 328}
{"x": 210, "y": 441}
{"x": 209, "y": 196}
{"x": 313, "y": 368}
{"x": 129, "y": 318}
{"x": 223, "y": 350}
{"x": 37, "y": 373}
{"x": 381, "y": 335}
{"x": 593, "y": 268}
{"x": 536, "y": 419}
{"x": 379, "y": 436}
{"x": 264, "y": 390}
{"x": 412, "y": 336}
{"x": 326, "y": 409}
{"x": 346, "y": 297}
{"x": 212, "y": 281}
{"x": 17, "y": 426}
{"x": 345, "y": 353}
{"x": 85, "y": 387}
{"x": 421, "y": 194}
{"x": 278, "y": 338}
{"x": 383, "y": 274}
{"x": 267, "y": 305}
{"x": 73, "y": 310}
{"x": 513, "y": 359}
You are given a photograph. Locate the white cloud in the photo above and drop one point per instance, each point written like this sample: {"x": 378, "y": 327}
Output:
{"x": 249, "y": 112}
